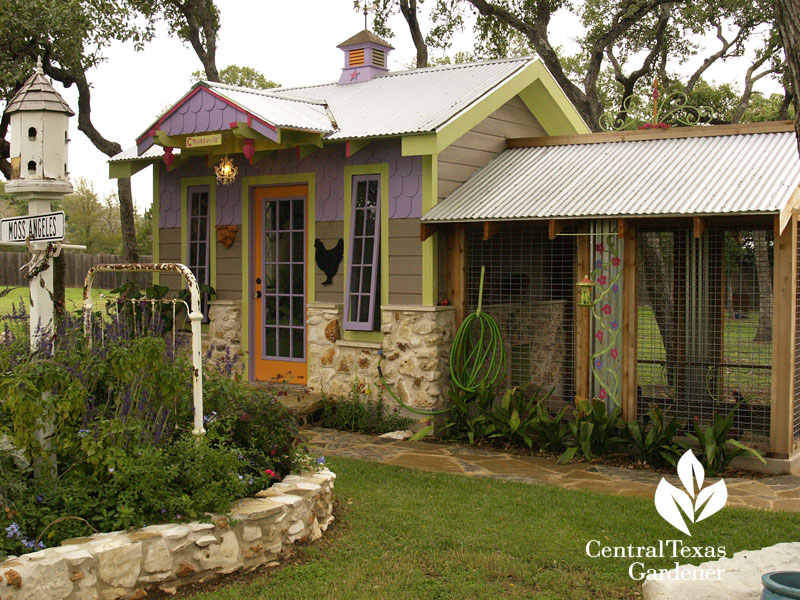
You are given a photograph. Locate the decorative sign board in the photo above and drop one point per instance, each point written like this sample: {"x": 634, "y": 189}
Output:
{"x": 201, "y": 141}
{"x": 41, "y": 228}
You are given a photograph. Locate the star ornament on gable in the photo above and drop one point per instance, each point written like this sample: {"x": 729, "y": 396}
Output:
{"x": 354, "y": 75}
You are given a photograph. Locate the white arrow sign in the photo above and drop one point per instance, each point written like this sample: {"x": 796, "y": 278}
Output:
{"x": 41, "y": 228}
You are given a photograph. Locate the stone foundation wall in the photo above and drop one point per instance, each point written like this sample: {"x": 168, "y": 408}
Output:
{"x": 224, "y": 332}
{"x": 416, "y": 348}
{"x": 107, "y": 566}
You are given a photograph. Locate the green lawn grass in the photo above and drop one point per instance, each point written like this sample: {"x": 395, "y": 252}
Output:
{"x": 402, "y": 533}
{"x": 74, "y": 299}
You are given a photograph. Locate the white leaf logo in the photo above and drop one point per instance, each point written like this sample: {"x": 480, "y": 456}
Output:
{"x": 673, "y": 503}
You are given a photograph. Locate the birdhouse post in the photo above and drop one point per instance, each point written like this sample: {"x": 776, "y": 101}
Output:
{"x": 39, "y": 125}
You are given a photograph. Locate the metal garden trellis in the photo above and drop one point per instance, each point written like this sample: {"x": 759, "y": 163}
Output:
{"x": 195, "y": 316}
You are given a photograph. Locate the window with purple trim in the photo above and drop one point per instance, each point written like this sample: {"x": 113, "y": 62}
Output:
{"x": 197, "y": 246}
{"x": 362, "y": 299}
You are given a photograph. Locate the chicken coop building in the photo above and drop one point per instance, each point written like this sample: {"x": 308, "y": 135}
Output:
{"x": 337, "y": 220}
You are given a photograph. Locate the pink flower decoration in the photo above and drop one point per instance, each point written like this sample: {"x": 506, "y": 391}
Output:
{"x": 602, "y": 394}
{"x": 599, "y": 336}
{"x": 602, "y": 280}
{"x": 615, "y": 261}
{"x": 599, "y": 248}
{"x": 606, "y": 309}
{"x": 614, "y": 353}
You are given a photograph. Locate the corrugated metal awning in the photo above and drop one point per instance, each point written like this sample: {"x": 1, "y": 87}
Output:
{"x": 719, "y": 174}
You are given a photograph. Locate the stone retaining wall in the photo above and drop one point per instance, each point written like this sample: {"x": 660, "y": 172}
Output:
{"x": 107, "y": 566}
{"x": 416, "y": 348}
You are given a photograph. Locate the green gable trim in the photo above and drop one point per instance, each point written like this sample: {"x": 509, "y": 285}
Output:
{"x": 381, "y": 169}
{"x": 128, "y": 168}
{"x": 430, "y": 247}
{"x": 248, "y": 183}
{"x": 552, "y": 109}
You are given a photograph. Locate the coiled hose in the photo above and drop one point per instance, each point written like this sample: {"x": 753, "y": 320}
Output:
{"x": 468, "y": 360}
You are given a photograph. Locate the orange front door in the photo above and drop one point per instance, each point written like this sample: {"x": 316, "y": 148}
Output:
{"x": 278, "y": 281}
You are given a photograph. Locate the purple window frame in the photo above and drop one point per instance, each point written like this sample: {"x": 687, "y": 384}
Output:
{"x": 358, "y": 260}
{"x": 196, "y": 238}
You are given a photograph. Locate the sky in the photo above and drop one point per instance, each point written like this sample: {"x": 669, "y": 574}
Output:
{"x": 292, "y": 42}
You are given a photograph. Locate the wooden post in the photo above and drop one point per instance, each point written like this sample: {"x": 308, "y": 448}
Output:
{"x": 583, "y": 318}
{"x": 630, "y": 323}
{"x": 781, "y": 442}
{"x": 457, "y": 270}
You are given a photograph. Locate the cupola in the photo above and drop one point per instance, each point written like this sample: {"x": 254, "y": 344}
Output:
{"x": 365, "y": 56}
{"x": 39, "y": 129}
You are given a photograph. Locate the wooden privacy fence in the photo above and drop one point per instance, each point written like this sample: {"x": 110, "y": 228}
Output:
{"x": 77, "y": 266}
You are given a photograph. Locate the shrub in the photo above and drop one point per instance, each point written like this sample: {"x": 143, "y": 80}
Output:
{"x": 593, "y": 431}
{"x": 358, "y": 413}
{"x": 121, "y": 410}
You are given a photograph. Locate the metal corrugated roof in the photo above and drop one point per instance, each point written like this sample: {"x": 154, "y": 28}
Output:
{"x": 279, "y": 110}
{"x": 751, "y": 173}
{"x": 415, "y": 101}
{"x": 131, "y": 154}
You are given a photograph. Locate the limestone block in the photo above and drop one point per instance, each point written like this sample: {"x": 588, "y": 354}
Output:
{"x": 224, "y": 555}
{"x": 119, "y": 562}
{"x": 157, "y": 557}
{"x": 251, "y": 533}
{"x": 256, "y": 508}
{"x": 48, "y": 577}
{"x": 205, "y": 540}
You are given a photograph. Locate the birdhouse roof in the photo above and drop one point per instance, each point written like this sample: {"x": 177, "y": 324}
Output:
{"x": 38, "y": 94}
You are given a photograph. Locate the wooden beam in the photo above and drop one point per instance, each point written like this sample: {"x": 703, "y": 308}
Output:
{"x": 792, "y": 205}
{"x": 426, "y": 230}
{"x": 456, "y": 276}
{"x": 621, "y": 229}
{"x": 583, "y": 318}
{"x": 653, "y": 134}
{"x": 630, "y": 324}
{"x": 489, "y": 229}
{"x": 556, "y": 226}
{"x": 781, "y": 436}
{"x": 698, "y": 227}
{"x": 241, "y": 130}
{"x": 305, "y": 150}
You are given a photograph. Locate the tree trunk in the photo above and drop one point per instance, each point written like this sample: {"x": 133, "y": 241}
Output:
{"x": 764, "y": 274}
{"x": 59, "y": 290}
{"x": 787, "y": 17}
{"x": 409, "y": 10}
{"x": 658, "y": 291}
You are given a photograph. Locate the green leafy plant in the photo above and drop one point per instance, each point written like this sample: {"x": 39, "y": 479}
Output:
{"x": 549, "y": 430}
{"x": 654, "y": 438}
{"x": 593, "y": 430}
{"x": 717, "y": 450}
{"x": 359, "y": 413}
{"x": 511, "y": 420}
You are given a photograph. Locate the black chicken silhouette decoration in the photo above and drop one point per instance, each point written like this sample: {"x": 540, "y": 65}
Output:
{"x": 328, "y": 260}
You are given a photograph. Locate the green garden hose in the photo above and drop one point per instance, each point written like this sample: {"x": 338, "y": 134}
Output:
{"x": 468, "y": 368}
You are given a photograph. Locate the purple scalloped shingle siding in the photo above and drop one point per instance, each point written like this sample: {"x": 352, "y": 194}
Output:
{"x": 405, "y": 182}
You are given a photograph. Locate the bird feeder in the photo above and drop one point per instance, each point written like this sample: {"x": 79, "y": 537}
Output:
{"x": 585, "y": 291}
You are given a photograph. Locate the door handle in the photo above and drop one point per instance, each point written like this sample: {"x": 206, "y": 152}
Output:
{"x": 257, "y": 294}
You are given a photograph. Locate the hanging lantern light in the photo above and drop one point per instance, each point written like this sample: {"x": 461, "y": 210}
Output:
{"x": 585, "y": 292}
{"x": 226, "y": 171}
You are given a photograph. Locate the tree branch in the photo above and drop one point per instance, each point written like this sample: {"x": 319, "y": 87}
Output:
{"x": 749, "y": 79}
{"x": 199, "y": 19}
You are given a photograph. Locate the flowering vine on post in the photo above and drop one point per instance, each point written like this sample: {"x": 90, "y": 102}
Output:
{"x": 606, "y": 275}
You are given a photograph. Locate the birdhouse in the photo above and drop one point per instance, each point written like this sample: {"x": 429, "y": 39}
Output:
{"x": 39, "y": 128}
{"x": 365, "y": 56}
{"x": 585, "y": 292}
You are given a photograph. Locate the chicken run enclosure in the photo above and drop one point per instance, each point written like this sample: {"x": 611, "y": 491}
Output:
{"x": 702, "y": 305}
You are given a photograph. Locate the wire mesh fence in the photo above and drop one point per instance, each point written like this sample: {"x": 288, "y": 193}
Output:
{"x": 705, "y": 325}
{"x": 529, "y": 289}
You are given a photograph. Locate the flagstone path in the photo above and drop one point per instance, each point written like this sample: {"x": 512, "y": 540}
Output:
{"x": 781, "y": 492}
